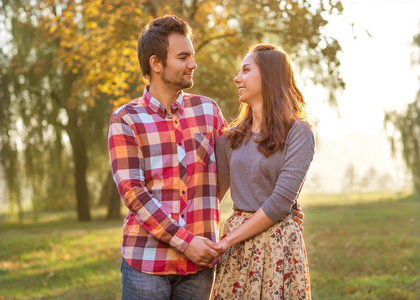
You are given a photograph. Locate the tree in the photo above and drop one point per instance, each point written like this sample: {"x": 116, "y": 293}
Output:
{"x": 407, "y": 125}
{"x": 386, "y": 183}
{"x": 58, "y": 91}
{"x": 69, "y": 63}
{"x": 369, "y": 181}
{"x": 405, "y": 133}
{"x": 313, "y": 183}
{"x": 350, "y": 179}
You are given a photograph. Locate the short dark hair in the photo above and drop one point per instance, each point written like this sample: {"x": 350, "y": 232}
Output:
{"x": 154, "y": 40}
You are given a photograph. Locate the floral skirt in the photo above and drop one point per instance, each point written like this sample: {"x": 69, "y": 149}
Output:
{"x": 270, "y": 265}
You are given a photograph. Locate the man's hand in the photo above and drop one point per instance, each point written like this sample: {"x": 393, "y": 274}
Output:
{"x": 201, "y": 251}
{"x": 298, "y": 217}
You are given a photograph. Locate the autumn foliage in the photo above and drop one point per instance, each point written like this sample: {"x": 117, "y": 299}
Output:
{"x": 67, "y": 64}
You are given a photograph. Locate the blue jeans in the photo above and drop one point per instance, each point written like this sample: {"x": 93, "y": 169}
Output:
{"x": 139, "y": 285}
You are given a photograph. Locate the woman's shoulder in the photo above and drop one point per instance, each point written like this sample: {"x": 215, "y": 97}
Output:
{"x": 301, "y": 125}
{"x": 301, "y": 129}
{"x": 228, "y": 132}
{"x": 231, "y": 129}
{"x": 224, "y": 139}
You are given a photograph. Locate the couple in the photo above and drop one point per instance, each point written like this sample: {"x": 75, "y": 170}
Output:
{"x": 173, "y": 157}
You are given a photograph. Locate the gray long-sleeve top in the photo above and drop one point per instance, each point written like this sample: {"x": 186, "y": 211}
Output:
{"x": 273, "y": 183}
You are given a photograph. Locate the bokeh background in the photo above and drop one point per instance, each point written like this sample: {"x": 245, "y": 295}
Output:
{"x": 65, "y": 65}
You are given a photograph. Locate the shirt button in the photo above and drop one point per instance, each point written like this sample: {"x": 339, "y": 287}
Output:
{"x": 183, "y": 192}
{"x": 176, "y": 122}
{"x": 182, "y": 216}
{"x": 180, "y": 144}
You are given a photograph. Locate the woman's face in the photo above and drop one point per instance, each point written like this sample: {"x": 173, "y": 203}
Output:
{"x": 249, "y": 82}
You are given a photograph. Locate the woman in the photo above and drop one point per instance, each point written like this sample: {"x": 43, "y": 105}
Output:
{"x": 264, "y": 159}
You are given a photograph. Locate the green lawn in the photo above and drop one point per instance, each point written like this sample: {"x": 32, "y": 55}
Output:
{"x": 356, "y": 250}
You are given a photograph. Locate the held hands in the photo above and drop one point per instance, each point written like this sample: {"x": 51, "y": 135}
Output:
{"x": 202, "y": 251}
{"x": 223, "y": 245}
{"x": 227, "y": 242}
{"x": 298, "y": 217}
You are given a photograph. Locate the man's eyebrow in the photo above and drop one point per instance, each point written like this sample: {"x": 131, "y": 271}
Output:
{"x": 185, "y": 53}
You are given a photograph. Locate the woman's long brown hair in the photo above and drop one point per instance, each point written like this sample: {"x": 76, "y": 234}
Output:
{"x": 283, "y": 103}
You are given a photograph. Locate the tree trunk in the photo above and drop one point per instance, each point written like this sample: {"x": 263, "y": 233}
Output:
{"x": 80, "y": 167}
{"x": 114, "y": 204}
{"x": 111, "y": 197}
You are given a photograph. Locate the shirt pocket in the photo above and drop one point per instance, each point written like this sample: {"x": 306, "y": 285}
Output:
{"x": 204, "y": 149}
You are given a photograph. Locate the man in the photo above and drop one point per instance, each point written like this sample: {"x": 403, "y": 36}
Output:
{"x": 162, "y": 157}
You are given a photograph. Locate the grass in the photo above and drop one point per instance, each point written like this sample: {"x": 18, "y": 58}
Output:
{"x": 60, "y": 260}
{"x": 365, "y": 251}
{"x": 356, "y": 250}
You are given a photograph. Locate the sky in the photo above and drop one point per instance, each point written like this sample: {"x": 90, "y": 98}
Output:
{"x": 379, "y": 74}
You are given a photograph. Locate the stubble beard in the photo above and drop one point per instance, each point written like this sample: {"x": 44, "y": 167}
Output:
{"x": 181, "y": 84}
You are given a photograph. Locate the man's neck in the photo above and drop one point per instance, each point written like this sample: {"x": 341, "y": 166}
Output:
{"x": 163, "y": 94}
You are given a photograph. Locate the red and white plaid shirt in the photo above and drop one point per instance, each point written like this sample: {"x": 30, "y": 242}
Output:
{"x": 165, "y": 171}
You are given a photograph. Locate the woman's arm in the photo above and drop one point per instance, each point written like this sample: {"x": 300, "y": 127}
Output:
{"x": 299, "y": 152}
{"x": 254, "y": 225}
{"x": 298, "y": 156}
{"x": 223, "y": 170}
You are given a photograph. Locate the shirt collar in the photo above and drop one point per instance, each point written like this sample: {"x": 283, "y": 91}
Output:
{"x": 159, "y": 108}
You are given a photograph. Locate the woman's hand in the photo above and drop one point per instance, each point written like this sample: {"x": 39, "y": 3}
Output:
{"x": 223, "y": 245}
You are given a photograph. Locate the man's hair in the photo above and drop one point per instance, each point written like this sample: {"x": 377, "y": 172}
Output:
{"x": 154, "y": 40}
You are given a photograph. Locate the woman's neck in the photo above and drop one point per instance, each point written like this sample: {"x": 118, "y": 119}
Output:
{"x": 257, "y": 117}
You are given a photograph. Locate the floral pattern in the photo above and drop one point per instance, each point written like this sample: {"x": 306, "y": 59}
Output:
{"x": 270, "y": 265}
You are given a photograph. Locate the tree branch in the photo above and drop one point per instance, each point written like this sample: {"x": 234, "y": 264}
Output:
{"x": 151, "y": 7}
{"x": 56, "y": 100}
{"x": 193, "y": 10}
{"x": 217, "y": 37}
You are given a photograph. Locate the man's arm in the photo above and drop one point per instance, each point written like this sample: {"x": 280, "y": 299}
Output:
{"x": 126, "y": 165}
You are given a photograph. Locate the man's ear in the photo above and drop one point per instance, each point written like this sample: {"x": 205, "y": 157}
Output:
{"x": 155, "y": 64}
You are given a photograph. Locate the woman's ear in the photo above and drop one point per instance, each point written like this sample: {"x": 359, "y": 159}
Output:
{"x": 155, "y": 64}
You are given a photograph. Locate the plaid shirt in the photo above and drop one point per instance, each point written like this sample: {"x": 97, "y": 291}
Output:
{"x": 165, "y": 171}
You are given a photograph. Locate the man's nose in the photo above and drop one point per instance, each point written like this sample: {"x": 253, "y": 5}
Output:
{"x": 192, "y": 65}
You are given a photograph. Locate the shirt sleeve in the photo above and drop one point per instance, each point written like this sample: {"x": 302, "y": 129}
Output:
{"x": 220, "y": 122}
{"x": 128, "y": 172}
{"x": 299, "y": 152}
{"x": 223, "y": 167}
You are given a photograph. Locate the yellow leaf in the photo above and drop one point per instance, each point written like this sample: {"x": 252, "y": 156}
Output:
{"x": 91, "y": 25}
{"x": 52, "y": 29}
